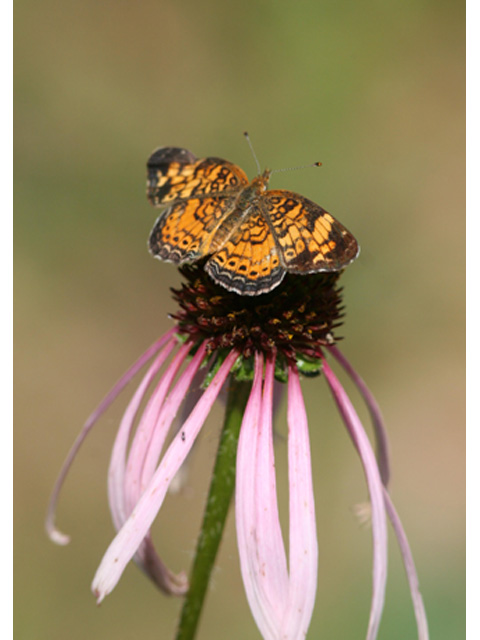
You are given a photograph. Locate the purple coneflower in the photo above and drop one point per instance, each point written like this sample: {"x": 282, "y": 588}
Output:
{"x": 242, "y": 345}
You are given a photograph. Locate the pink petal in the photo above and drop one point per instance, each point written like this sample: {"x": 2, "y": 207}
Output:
{"x": 269, "y": 539}
{"x": 116, "y": 473}
{"x": 303, "y": 555}
{"x": 260, "y": 545}
{"x": 375, "y": 487}
{"x": 54, "y": 534}
{"x": 146, "y": 428}
{"x": 193, "y": 396}
{"x": 375, "y": 413}
{"x": 168, "y": 413}
{"x": 383, "y": 462}
{"x": 244, "y": 492}
{"x": 149, "y": 438}
{"x": 420, "y": 615}
{"x": 129, "y": 538}
{"x": 148, "y": 560}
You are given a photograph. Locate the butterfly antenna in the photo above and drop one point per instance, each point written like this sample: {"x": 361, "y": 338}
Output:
{"x": 259, "y": 169}
{"x": 305, "y": 166}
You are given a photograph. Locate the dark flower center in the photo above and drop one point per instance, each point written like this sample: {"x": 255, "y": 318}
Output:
{"x": 294, "y": 320}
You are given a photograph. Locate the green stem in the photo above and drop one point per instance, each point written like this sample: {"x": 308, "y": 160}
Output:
{"x": 216, "y": 510}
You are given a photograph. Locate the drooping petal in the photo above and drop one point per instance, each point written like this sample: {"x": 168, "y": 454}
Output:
{"x": 116, "y": 472}
{"x": 155, "y": 425}
{"x": 270, "y": 548}
{"x": 169, "y": 410}
{"x": 193, "y": 396}
{"x": 375, "y": 413}
{"x": 303, "y": 554}
{"x": 418, "y": 606}
{"x": 148, "y": 560}
{"x": 383, "y": 463}
{"x": 375, "y": 487}
{"x": 251, "y": 563}
{"x": 127, "y": 541}
{"x": 146, "y": 428}
{"x": 244, "y": 496}
{"x": 54, "y": 534}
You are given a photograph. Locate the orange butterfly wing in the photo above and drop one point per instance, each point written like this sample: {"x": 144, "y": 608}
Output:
{"x": 309, "y": 239}
{"x": 201, "y": 194}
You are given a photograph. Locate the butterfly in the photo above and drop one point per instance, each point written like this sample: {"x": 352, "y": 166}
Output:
{"x": 249, "y": 235}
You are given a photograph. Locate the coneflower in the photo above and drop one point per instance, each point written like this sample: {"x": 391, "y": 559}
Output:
{"x": 246, "y": 318}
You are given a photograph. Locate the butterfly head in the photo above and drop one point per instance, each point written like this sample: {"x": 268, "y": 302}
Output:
{"x": 260, "y": 183}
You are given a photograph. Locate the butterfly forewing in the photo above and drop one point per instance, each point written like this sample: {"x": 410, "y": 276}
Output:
{"x": 309, "y": 239}
{"x": 176, "y": 174}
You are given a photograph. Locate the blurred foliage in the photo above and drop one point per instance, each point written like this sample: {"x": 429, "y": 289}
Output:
{"x": 374, "y": 91}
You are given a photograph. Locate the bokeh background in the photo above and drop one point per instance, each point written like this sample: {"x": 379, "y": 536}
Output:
{"x": 375, "y": 91}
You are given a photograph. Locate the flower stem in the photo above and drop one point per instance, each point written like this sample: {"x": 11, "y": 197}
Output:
{"x": 216, "y": 510}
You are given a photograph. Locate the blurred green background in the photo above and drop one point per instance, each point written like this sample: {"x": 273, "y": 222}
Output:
{"x": 375, "y": 91}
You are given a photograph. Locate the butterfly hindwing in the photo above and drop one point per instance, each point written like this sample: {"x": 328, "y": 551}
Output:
{"x": 184, "y": 232}
{"x": 247, "y": 262}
